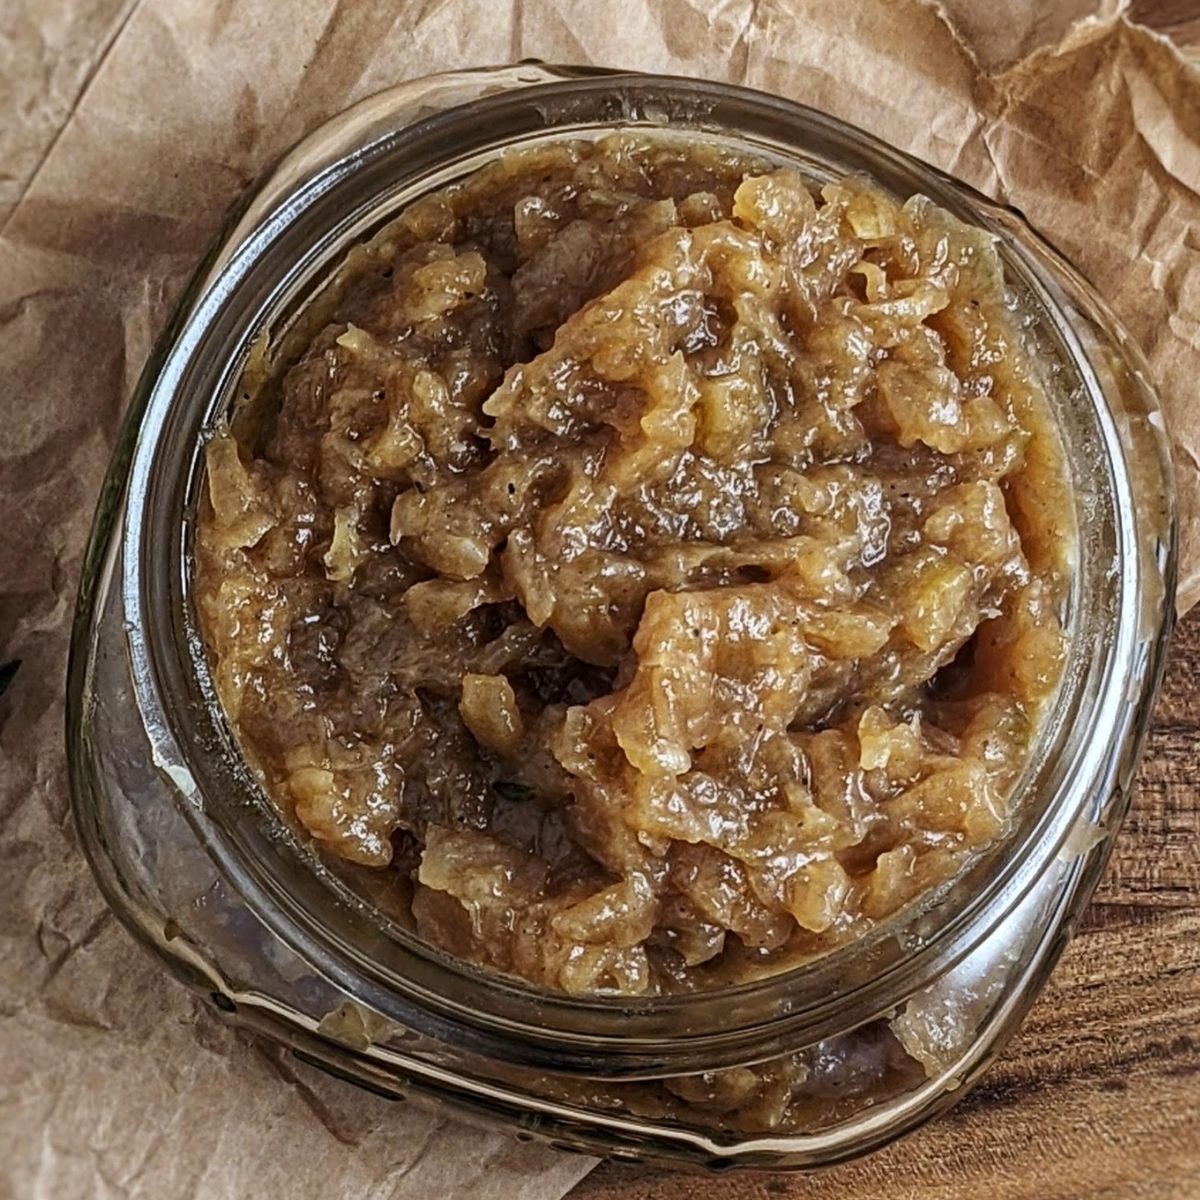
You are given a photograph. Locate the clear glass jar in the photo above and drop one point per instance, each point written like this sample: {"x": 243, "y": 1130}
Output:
{"x": 875, "y": 1037}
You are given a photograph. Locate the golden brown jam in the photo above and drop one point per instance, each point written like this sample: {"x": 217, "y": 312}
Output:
{"x": 653, "y": 564}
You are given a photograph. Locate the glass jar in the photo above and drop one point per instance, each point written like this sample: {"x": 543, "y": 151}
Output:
{"x": 870, "y": 1040}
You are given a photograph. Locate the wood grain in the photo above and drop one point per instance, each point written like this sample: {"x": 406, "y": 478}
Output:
{"x": 1098, "y": 1096}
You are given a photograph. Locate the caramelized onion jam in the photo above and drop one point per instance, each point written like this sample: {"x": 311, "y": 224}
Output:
{"x": 652, "y": 564}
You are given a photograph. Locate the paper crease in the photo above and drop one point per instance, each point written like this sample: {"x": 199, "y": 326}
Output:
{"x": 89, "y": 78}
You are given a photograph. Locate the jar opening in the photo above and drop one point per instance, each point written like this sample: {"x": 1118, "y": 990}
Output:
{"x": 267, "y": 281}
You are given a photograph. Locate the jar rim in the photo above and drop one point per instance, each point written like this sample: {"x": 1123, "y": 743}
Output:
{"x": 187, "y": 382}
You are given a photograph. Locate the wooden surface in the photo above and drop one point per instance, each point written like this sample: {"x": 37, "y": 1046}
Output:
{"x": 1098, "y": 1096}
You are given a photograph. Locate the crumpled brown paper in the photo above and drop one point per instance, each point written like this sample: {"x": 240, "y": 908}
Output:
{"x": 126, "y": 129}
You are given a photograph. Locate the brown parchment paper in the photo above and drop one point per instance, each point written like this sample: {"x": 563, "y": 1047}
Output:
{"x": 126, "y": 128}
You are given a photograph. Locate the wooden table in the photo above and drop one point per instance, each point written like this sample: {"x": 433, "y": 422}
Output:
{"x": 1098, "y": 1096}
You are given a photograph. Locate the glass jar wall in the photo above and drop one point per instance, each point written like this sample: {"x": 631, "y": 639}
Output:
{"x": 814, "y": 1065}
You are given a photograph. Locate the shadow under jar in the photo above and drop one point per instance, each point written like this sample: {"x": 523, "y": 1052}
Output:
{"x": 816, "y": 1063}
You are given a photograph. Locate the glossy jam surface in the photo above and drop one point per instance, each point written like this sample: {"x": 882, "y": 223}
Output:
{"x": 649, "y": 565}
